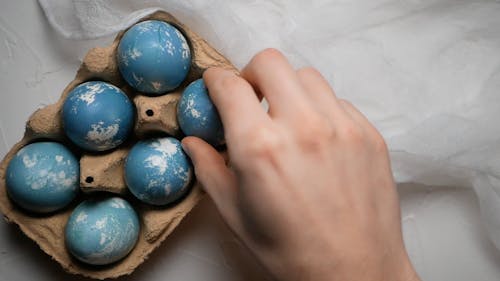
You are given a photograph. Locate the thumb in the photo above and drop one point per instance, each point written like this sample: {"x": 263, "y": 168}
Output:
{"x": 215, "y": 177}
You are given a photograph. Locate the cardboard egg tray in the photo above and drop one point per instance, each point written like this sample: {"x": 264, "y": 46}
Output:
{"x": 102, "y": 173}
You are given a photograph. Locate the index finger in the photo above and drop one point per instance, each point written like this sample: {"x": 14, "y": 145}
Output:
{"x": 238, "y": 105}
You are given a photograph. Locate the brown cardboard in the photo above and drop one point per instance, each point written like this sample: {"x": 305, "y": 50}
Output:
{"x": 104, "y": 172}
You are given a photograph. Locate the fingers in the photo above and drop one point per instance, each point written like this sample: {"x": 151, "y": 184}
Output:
{"x": 296, "y": 95}
{"x": 237, "y": 103}
{"x": 324, "y": 99}
{"x": 271, "y": 74}
{"x": 216, "y": 178}
{"x": 320, "y": 93}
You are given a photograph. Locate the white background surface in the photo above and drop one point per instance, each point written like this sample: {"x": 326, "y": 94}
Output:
{"x": 442, "y": 226}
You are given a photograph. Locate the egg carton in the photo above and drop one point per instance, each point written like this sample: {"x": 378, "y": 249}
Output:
{"x": 103, "y": 172}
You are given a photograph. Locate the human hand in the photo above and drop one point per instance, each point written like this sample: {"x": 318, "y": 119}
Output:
{"x": 309, "y": 189}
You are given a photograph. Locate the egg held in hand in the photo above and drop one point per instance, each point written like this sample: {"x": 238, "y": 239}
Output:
{"x": 153, "y": 57}
{"x": 43, "y": 177}
{"x": 198, "y": 116}
{"x": 157, "y": 171}
{"x": 102, "y": 231}
{"x": 97, "y": 116}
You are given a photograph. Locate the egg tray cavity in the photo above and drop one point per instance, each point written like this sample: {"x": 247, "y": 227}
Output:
{"x": 103, "y": 172}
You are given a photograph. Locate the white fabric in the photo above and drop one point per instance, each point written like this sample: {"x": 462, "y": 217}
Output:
{"x": 427, "y": 73}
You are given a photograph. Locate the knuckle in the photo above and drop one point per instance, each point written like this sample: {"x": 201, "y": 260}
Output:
{"x": 352, "y": 134}
{"x": 262, "y": 142}
{"x": 315, "y": 133}
{"x": 313, "y": 143}
{"x": 380, "y": 144}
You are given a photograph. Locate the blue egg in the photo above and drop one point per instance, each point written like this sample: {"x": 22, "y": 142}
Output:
{"x": 102, "y": 231}
{"x": 198, "y": 116}
{"x": 157, "y": 171}
{"x": 153, "y": 57}
{"x": 97, "y": 116}
{"x": 43, "y": 177}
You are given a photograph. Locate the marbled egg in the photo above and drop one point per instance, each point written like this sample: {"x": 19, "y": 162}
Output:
{"x": 157, "y": 171}
{"x": 153, "y": 57}
{"x": 43, "y": 177}
{"x": 97, "y": 116}
{"x": 198, "y": 116}
{"x": 102, "y": 231}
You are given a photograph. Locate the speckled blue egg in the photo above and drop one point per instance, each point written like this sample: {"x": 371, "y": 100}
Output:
{"x": 97, "y": 116}
{"x": 43, "y": 177}
{"x": 198, "y": 116}
{"x": 102, "y": 231}
{"x": 157, "y": 171}
{"x": 153, "y": 57}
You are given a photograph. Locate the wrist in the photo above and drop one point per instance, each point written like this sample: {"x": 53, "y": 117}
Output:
{"x": 325, "y": 266}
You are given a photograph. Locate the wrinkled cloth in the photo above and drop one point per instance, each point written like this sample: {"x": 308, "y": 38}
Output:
{"x": 426, "y": 73}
